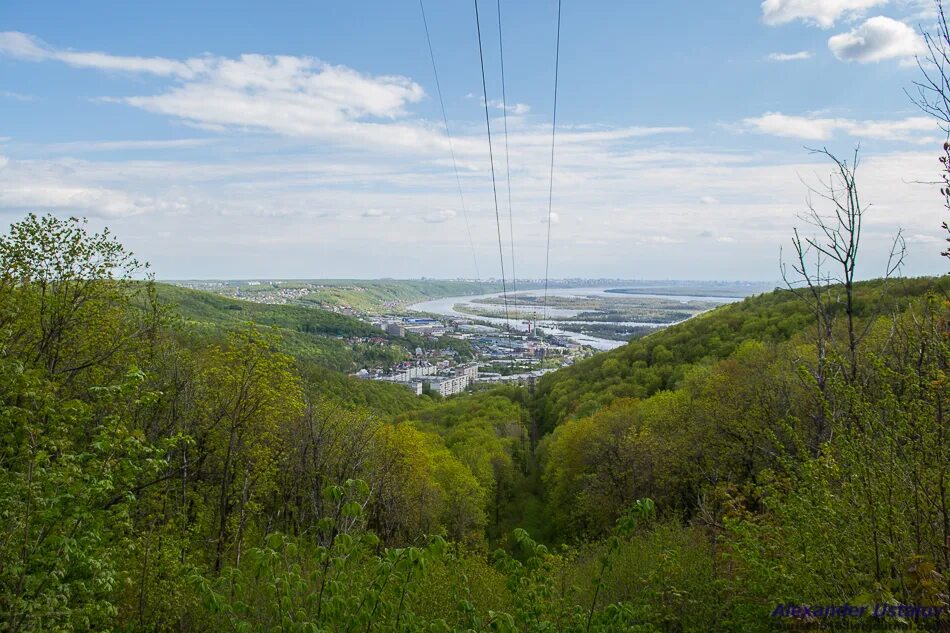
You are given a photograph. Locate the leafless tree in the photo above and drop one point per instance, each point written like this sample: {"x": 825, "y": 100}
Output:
{"x": 822, "y": 272}
{"x": 932, "y": 95}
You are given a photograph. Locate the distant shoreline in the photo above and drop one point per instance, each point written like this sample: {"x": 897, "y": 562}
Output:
{"x": 731, "y": 294}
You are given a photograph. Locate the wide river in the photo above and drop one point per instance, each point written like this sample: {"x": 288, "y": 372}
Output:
{"x": 446, "y": 307}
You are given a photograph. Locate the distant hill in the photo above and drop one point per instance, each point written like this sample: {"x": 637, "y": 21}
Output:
{"x": 197, "y": 305}
{"x": 372, "y": 296}
{"x": 315, "y": 337}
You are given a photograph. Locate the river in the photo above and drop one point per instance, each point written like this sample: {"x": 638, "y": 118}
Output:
{"x": 446, "y": 307}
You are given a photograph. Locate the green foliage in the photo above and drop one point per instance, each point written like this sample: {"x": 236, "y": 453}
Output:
{"x": 633, "y": 371}
{"x": 212, "y": 473}
{"x": 314, "y": 335}
{"x": 375, "y": 395}
{"x": 344, "y": 584}
{"x": 380, "y": 295}
{"x": 68, "y": 477}
{"x": 316, "y": 338}
{"x": 64, "y": 298}
{"x": 489, "y": 433}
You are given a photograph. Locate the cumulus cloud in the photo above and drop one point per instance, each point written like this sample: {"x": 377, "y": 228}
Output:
{"x": 293, "y": 96}
{"x": 789, "y": 57}
{"x": 437, "y": 217}
{"x": 306, "y": 98}
{"x": 341, "y": 201}
{"x": 817, "y": 128}
{"x": 877, "y": 39}
{"x": 823, "y": 13}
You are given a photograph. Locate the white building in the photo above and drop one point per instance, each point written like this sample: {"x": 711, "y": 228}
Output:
{"x": 415, "y": 386}
{"x": 417, "y": 371}
{"x": 447, "y": 385}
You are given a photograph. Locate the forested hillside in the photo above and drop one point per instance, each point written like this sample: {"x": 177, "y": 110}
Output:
{"x": 320, "y": 341}
{"x": 374, "y": 295}
{"x": 316, "y": 335}
{"x": 662, "y": 360}
{"x": 175, "y": 461}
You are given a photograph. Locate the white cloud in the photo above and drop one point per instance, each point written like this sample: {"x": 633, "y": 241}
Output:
{"x": 294, "y": 208}
{"x": 877, "y": 39}
{"x": 89, "y": 200}
{"x": 111, "y": 146}
{"x": 437, "y": 217}
{"x": 823, "y": 13}
{"x": 918, "y": 10}
{"x": 778, "y": 124}
{"x": 22, "y": 45}
{"x": 660, "y": 240}
{"x": 513, "y": 108}
{"x": 789, "y": 57}
{"x": 16, "y": 96}
{"x": 32, "y": 185}
{"x": 715, "y": 237}
{"x": 305, "y": 98}
{"x": 296, "y": 96}
{"x": 921, "y": 238}
{"x": 292, "y": 96}
{"x": 301, "y": 215}
{"x": 817, "y": 128}
{"x": 25, "y": 46}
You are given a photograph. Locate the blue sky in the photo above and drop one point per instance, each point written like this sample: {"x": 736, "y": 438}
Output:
{"x": 295, "y": 140}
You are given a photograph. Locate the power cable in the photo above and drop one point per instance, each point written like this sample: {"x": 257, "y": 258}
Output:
{"x": 448, "y": 135}
{"x": 491, "y": 158}
{"x": 547, "y": 254}
{"x": 504, "y": 109}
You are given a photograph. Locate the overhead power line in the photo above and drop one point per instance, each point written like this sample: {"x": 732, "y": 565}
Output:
{"x": 547, "y": 252}
{"x": 448, "y": 135}
{"x": 491, "y": 158}
{"x": 504, "y": 109}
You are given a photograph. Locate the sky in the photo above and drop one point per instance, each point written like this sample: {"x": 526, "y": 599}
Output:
{"x": 305, "y": 139}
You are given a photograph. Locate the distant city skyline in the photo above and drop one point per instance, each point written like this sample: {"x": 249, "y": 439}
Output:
{"x": 301, "y": 142}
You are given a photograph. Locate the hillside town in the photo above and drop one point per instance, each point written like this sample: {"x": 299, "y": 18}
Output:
{"x": 497, "y": 356}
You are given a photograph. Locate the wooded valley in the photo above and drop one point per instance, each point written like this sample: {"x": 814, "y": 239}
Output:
{"x": 171, "y": 460}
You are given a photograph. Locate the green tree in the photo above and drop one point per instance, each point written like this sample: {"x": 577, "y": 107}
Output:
{"x": 65, "y": 297}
